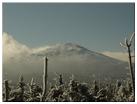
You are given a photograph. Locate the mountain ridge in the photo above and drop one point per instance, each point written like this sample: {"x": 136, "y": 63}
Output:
{"x": 68, "y": 49}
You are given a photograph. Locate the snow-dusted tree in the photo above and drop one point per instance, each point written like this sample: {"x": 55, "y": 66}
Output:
{"x": 127, "y": 45}
{"x": 7, "y": 90}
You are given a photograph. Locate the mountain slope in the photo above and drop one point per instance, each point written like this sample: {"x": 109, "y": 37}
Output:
{"x": 70, "y": 49}
{"x": 71, "y": 58}
{"x": 66, "y": 59}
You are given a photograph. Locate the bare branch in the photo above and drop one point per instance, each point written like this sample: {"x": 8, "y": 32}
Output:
{"x": 32, "y": 81}
{"x": 126, "y": 41}
{"x": 133, "y": 56}
{"x": 130, "y": 40}
{"x": 123, "y": 45}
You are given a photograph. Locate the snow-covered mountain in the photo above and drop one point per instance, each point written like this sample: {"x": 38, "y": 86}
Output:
{"x": 63, "y": 49}
{"x": 70, "y": 49}
{"x": 72, "y": 58}
{"x": 66, "y": 59}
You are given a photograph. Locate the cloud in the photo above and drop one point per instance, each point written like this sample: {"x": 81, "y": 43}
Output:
{"x": 17, "y": 59}
{"x": 13, "y": 49}
{"x": 123, "y": 56}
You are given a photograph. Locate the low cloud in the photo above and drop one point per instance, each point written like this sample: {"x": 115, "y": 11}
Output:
{"x": 123, "y": 56}
{"x": 13, "y": 49}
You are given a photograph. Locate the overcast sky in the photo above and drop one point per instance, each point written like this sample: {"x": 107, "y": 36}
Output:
{"x": 98, "y": 27}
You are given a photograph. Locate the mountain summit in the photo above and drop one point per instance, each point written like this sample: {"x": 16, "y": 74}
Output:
{"x": 72, "y": 50}
{"x": 62, "y": 49}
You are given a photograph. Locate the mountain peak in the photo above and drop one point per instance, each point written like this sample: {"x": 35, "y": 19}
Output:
{"x": 71, "y": 49}
{"x": 62, "y": 49}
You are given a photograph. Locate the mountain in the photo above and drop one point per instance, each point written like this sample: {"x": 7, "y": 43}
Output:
{"x": 74, "y": 59}
{"x": 70, "y": 49}
{"x": 65, "y": 59}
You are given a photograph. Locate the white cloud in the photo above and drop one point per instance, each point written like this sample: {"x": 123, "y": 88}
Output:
{"x": 13, "y": 49}
{"x": 17, "y": 58}
{"x": 123, "y": 56}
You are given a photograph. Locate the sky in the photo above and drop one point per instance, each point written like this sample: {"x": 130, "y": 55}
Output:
{"x": 98, "y": 27}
